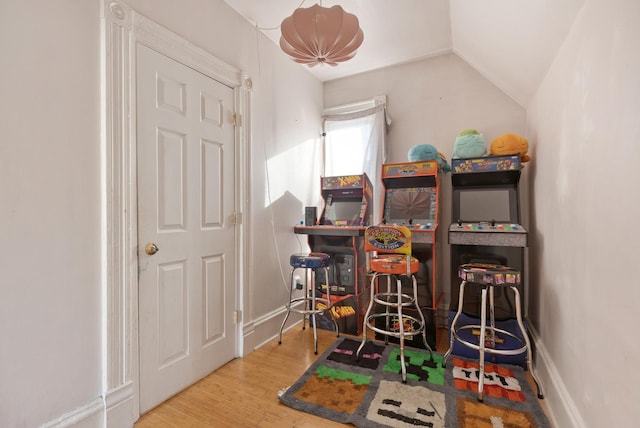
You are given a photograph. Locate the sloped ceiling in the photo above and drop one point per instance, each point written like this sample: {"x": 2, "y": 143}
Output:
{"x": 511, "y": 42}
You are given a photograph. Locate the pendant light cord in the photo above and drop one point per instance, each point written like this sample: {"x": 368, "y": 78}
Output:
{"x": 283, "y": 275}
{"x": 278, "y": 27}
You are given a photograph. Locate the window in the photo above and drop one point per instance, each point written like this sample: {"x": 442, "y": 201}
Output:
{"x": 345, "y": 146}
{"x": 355, "y": 143}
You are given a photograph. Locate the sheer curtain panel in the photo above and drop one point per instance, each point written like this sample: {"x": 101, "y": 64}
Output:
{"x": 354, "y": 143}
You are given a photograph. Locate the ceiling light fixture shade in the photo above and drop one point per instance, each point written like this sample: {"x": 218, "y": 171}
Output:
{"x": 321, "y": 35}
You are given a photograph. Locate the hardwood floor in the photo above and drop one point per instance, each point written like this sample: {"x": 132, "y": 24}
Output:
{"x": 244, "y": 392}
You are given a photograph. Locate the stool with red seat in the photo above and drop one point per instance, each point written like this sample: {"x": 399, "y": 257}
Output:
{"x": 388, "y": 250}
{"x": 488, "y": 277}
{"x": 308, "y": 304}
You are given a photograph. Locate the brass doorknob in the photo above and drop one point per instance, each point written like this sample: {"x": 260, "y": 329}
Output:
{"x": 151, "y": 248}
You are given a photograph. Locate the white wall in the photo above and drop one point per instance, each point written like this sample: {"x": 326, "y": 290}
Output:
{"x": 285, "y": 177}
{"x": 584, "y": 128}
{"x": 50, "y": 309}
{"x": 430, "y": 101}
{"x": 50, "y": 228}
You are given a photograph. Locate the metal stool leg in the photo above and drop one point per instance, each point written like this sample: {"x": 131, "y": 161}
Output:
{"x": 366, "y": 315}
{"x": 525, "y": 335}
{"x": 492, "y": 318}
{"x": 306, "y": 299}
{"x": 330, "y": 303}
{"x": 288, "y": 306}
{"x": 424, "y": 322}
{"x": 452, "y": 329}
{"x": 403, "y": 368}
{"x": 313, "y": 308}
{"x": 483, "y": 328}
{"x": 387, "y": 310}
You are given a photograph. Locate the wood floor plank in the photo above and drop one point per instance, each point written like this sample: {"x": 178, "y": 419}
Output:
{"x": 244, "y": 392}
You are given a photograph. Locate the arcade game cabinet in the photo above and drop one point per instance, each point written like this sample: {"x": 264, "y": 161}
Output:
{"x": 411, "y": 198}
{"x": 486, "y": 228}
{"x": 339, "y": 232}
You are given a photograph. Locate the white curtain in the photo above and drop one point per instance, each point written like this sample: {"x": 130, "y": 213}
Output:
{"x": 355, "y": 143}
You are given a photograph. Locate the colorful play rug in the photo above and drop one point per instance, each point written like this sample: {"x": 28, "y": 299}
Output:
{"x": 369, "y": 392}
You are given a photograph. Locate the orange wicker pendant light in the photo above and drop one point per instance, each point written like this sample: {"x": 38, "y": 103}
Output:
{"x": 317, "y": 35}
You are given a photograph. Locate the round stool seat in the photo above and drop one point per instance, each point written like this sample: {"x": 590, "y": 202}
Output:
{"x": 393, "y": 264}
{"x": 310, "y": 261}
{"x": 481, "y": 273}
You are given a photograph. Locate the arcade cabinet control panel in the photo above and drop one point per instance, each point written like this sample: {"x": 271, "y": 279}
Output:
{"x": 411, "y": 225}
{"x": 487, "y": 227}
{"x": 488, "y": 233}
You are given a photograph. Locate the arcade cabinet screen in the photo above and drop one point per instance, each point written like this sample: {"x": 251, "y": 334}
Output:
{"x": 408, "y": 206}
{"x": 485, "y": 205}
{"x": 343, "y": 210}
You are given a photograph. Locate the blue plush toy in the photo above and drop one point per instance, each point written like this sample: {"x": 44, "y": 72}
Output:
{"x": 424, "y": 152}
{"x": 469, "y": 144}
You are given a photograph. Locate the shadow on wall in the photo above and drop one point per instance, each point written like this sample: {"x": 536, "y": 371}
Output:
{"x": 277, "y": 240}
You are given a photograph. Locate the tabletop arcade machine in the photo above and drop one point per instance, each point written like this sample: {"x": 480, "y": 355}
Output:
{"x": 339, "y": 232}
{"x": 486, "y": 228}
{"x": 411, "y": 198}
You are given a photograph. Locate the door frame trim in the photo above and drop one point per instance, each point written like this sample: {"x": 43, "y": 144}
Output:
{"x": 122, "y": 28}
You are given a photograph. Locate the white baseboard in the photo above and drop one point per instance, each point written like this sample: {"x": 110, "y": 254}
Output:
{"x": 561, "y": 407}
{"x": 115, "y": 411}
{"x": 122, "y": 410}
{"x": 264, "y": 329}
{"x": 91, "y": 415}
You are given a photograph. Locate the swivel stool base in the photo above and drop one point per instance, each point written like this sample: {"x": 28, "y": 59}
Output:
{"x": 390, "y": 257}
{"x": 489, "y": 277}
{"x": 307, "y": 304}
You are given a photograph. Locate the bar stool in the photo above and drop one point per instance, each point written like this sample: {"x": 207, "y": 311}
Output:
{"x": 389, "y": 255}
{"x": 307, "y": 304}
{"x": 488, "y": 277}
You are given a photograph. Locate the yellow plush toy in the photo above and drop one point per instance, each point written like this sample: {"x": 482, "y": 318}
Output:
{"x": 510, "y": 144}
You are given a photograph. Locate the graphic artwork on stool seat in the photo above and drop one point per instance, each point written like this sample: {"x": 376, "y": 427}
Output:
{"x": 482, "y": 273}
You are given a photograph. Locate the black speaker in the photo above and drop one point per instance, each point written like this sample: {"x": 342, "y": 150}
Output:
{"x": 310, "y": 216}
